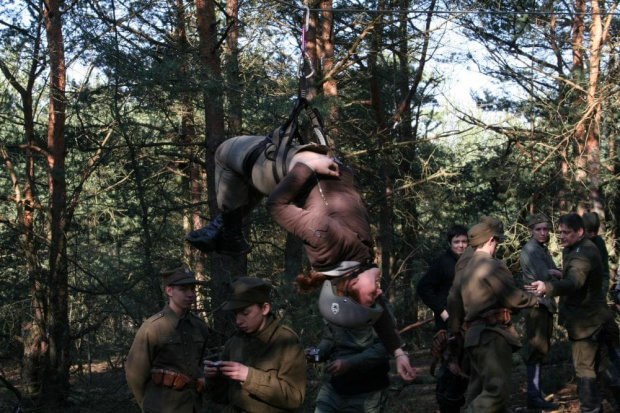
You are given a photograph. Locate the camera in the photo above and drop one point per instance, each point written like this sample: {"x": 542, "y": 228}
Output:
{"x": 314, "y": 352}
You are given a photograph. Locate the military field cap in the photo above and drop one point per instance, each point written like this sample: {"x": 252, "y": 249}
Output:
{"x": 179, "y": 276}
{"x": 497, "y": 224}
{"x": 246, "y": 291}
{"x": 536, "y": 219}
{"x": 481, "y": 233}
{"x": 591, "y": 221}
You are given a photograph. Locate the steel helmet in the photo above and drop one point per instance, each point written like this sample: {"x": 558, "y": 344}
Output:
{"x": 345, "y": 311}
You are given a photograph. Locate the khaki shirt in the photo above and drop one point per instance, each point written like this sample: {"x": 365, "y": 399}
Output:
{"x": 276, "y": 379}
{"x": 487, "y": 284}
{"x": 455, "y": 309}
{"x": 583, "y": 309}
{"x": 165, "y": 341}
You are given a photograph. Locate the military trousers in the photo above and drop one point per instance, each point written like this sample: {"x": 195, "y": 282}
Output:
{"x": 590, "y": 354}
{"x": 490, "y": 381}
{"x": 539, "y": 330}
{"x": 329, "y": 401}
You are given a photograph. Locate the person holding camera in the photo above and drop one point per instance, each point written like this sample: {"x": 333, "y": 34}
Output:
{"x": 358, "y": 365}
{"x": 263, "y": 366}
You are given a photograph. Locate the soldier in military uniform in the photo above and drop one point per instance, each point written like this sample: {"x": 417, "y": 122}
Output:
{"x": 457, "y": 358}
{"x": 164, "y": 366}
{"x": 583, "y": 311}
{"x": 489, "y": 296}
{"x": 263, "y": 365}
{"x": 537, "y": 265}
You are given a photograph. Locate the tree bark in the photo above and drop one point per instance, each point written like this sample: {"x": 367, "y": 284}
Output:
{"x": 223, "y": 269}
{"x": 56, "y": 377}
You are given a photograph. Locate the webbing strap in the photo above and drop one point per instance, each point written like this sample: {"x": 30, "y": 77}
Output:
{"x": 283, "y": 135}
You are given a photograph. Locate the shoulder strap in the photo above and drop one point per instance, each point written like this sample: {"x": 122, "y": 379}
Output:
{"x": 284, "y": 135}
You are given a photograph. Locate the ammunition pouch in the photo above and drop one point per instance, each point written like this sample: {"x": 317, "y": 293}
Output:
{"x": 498, "y": 316}
{"x": 176, "y": 381}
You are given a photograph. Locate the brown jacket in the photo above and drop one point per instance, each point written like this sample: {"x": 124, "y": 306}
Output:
{"x": 583, "y": 309}
{"x": 329, "y": 216}
{"x": 276, "y": 379}
{"x": 327, "y": 213}
{"x": 487, "y": 284}
{"x": 168, "y": 342}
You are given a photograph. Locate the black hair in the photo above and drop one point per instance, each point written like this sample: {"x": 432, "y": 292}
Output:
{"x": 455, "y": 231}
{"x": 573, "y": 221}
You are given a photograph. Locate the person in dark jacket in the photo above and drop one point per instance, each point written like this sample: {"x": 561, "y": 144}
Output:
{"x": 537, "y": 265}
{"x": 358, "y": 366}
{"x": 592, "y": 224}
{"x": 433, "y": 290}
{"x": 583, "y": 311}
{"x": 435, "y": 284}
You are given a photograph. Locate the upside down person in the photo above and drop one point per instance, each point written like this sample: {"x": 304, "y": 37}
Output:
{"x": 318, "y": 201}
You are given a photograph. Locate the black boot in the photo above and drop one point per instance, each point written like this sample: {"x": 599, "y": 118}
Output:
{"x": 611, "y": 386}
{"x": 206, "y": 238}
{"x": 534, "y": 396}
{"x": 588, "y": 395}
{"x": 231, "y": 241}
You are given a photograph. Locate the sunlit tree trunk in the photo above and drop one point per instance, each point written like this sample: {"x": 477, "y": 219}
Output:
{"x": 56, "y": 377}
{"x": 330, "y": 86}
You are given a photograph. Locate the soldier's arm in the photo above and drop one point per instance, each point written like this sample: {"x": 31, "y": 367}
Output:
{"x": 282, "y": 384}
{"x": 139, "y": 362}
{"x": 509, "y": 296}
{"x": 575, "y": 275}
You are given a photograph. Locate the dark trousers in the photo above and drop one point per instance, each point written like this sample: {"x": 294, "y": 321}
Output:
{"x": 450, "y": 391}
{"x": 539, "y": 330}
{"x": 489, "y": 384}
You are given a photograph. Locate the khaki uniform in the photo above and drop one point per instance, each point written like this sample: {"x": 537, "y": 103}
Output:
{"x": 583, "y": 310}
{"x": 167, "y": 342}
{"x": 276, "y": 379}
{"x": 486, "y": 285}
{"x": 455, "y": 300}
{"x": 536, "y": 262}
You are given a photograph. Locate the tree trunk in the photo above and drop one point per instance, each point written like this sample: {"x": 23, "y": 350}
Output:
{"x": 231, "y": 58}
{"x": 56, "y": 377}
{"x": 385, "y": 168}
{"x": 223, "y": 269}
{"x": 330, "y": 86}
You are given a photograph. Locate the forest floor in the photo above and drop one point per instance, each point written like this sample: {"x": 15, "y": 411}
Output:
{"x": 104, "y": 389}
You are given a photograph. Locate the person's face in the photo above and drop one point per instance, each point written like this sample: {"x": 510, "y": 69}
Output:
{"x": 567, "y": 236}
{"x": 253, "y": 318}
{"x": 458, "y": 244}
{"x": 540, "y": 232}
{"x": 591, "y": 234}
{"x": 181, "y": 297}
{"x": 366, "y": 287}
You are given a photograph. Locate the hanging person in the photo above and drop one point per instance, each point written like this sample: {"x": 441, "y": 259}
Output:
{"x": 317, "y": 200}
